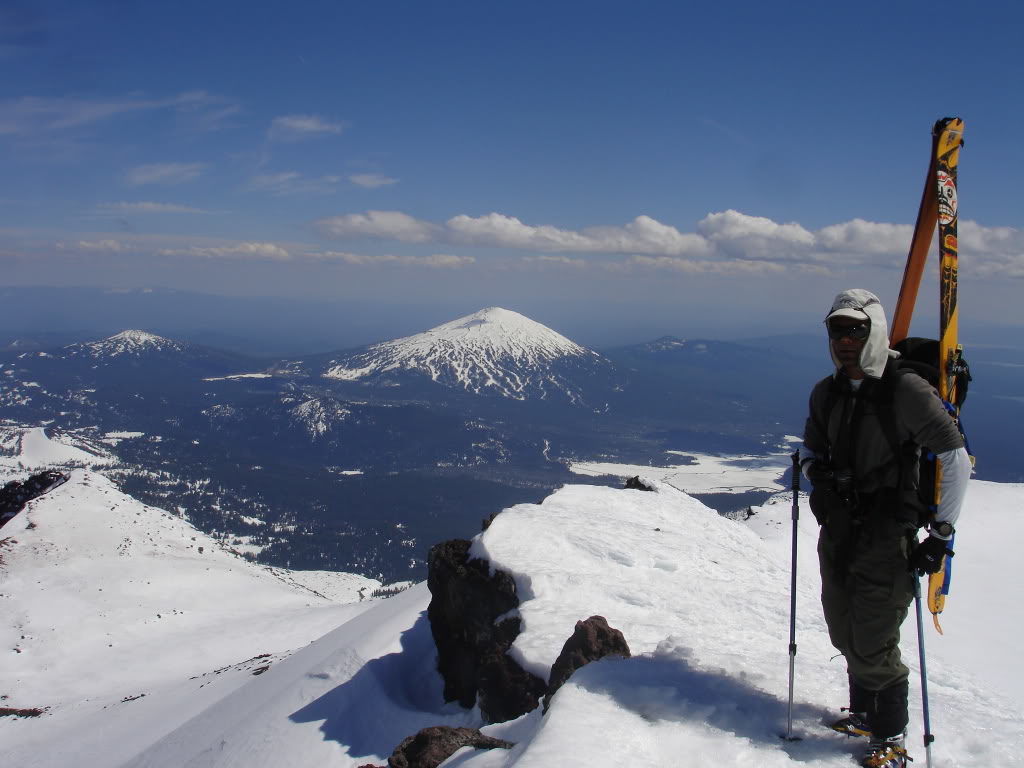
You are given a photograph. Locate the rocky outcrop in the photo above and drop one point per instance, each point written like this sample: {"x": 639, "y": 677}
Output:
{"x": 592, "y": 639}
{"x": 466, "y": 602}
{"x": 14, "y": 496}
{"x": 432, "y": 746}
{"x": 636, "y": 484}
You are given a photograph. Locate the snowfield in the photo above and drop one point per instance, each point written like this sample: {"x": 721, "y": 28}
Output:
{"x": 702, "y": 601}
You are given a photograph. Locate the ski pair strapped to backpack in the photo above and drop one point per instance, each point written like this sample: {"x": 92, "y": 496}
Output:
{"x": 938, "y": 208}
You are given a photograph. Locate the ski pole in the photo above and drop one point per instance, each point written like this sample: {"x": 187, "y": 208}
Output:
{"x": 792, "y": 596}
{"x": 928, "y": 736}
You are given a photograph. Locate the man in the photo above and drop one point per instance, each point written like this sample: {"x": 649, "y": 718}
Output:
{"x": 865, "y": 499}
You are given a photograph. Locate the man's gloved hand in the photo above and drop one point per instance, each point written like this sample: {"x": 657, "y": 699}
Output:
{"x": 927, "y": 557}
{"x": 823, "y": 495}
{"x": 820, "y": 475}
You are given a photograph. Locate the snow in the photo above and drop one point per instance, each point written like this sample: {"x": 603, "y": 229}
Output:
{"x": 705, "y": 473}
{"x": 494, "y": 349}
{"x": 105, "y": 599}
{"x": 36, "y": 448}
{"x": 319, "y": 415}
{"x": 702, "y": 601}
{"x": 240, "y": 376}
{"x": 132, "y": 342}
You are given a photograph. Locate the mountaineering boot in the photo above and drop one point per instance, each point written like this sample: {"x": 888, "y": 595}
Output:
{"x": 854, "y": 724}
{"x": 862, "y": 707}
{"x": 886, "y": 753}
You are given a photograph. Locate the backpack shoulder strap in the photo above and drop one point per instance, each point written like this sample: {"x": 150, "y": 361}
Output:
{"x": 820, "y": 415}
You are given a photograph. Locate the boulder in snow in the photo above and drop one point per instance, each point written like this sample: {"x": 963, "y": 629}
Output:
{"x": 592, "y": 639}
{"x": 466, "y": 601}
{"x": 432, "y": 746}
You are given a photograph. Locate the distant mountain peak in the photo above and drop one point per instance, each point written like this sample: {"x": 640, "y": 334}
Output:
{"x": 494, "y": 350}
{"x": 130, "y": 342}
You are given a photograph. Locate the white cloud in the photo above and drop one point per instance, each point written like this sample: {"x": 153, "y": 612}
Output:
{"x": 554, "y": 261}
{"x": 163, "y": 173}
{"x": 718, "y": 267}
{"x": 756, "y": 237}
{"x": 435, "y": 261}
{"x": 498, "y": 230}
{"x": 867, "y": 237}
{"x": 294, "y": 183}
{"x": 146, "y": 207}
{"x": 726, "y": 242}
{"x": 95, "y": 246}
{"x": 371, "y": 180}
{"x": 250, "y": 251}
{"x": 388, "y": 225}
{"x": 290, "y": 128}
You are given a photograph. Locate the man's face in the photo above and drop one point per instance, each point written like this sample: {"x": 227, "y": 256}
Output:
{"x": 848, "y": 337}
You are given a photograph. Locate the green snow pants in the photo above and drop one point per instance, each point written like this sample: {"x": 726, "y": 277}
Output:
{"x": 866, "y": 591}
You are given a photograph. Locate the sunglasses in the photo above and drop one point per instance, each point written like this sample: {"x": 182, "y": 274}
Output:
{"x": 858, "y": 332}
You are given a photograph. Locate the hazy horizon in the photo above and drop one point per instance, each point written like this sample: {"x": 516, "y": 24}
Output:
{"x": 279, "y": 325}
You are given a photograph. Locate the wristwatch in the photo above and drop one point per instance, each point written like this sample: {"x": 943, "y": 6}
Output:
{"x": 943, "y": 529}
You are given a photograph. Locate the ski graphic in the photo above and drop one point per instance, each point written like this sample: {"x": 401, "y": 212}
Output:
{"x": 948, "y": 138}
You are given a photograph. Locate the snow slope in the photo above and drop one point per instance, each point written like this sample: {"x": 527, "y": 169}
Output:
{"x": 123, "y": 619}
{"x": 493, "y": 350}
{"x": 702, "y": 601}
{"x": 35, "y": 448}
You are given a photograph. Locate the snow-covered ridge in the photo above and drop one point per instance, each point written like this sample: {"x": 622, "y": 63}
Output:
{"x": 131, "y": 342}
{"x": 24, "y": 448}
{"x": 494, "y": 349}
{"x": 120, "y": 615}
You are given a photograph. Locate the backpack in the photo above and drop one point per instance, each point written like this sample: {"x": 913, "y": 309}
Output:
{"x": 920, "y": 357}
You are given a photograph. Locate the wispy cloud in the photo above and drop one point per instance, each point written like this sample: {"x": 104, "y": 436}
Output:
{"x": 434, "y": 261}
{"x": 371, "y": 180}
{"x": 163, "y": 173}
{"x": 245, "y": 251}
{"x": 145, "y": 207}
{"x": 95, "y": 246}
{"x": 291, "y": 128}
{"x": 294, "y": 183}
{"x": 32, "y": 115}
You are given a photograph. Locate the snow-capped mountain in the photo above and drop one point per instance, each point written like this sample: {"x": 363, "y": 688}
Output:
{"x": 131, "y": 342}
{"x": 493, "y": 351}
{"x": 134, "y": 361}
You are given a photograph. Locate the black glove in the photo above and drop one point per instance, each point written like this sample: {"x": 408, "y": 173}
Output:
{"x": 820, "y": 475}
{"x": 927, "y": 557}
{"x": 823, "y": 501}
{"x": 824, "y": 496}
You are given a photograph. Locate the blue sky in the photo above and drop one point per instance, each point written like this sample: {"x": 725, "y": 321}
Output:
{"x": 663, "y": 158}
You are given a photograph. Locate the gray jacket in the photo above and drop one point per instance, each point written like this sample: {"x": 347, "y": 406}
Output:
{"x": 919, "y": 417}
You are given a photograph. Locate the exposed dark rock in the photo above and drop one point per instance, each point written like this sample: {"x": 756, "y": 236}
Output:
{"x": 15, "y": 712}
{"x": 432, "y": 746}
{"x": 636, "y": 484}
{"x": 14, "y": 496}
{"x": 592, "y": 639}
{"x": 466, "y": 600}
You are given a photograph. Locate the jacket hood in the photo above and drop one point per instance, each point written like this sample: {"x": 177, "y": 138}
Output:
{"x": 864, "y": 305}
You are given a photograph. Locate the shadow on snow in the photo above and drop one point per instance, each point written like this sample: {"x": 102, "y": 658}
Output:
{"x": 388, "y": 699}
{"x": 669, "y": 688}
